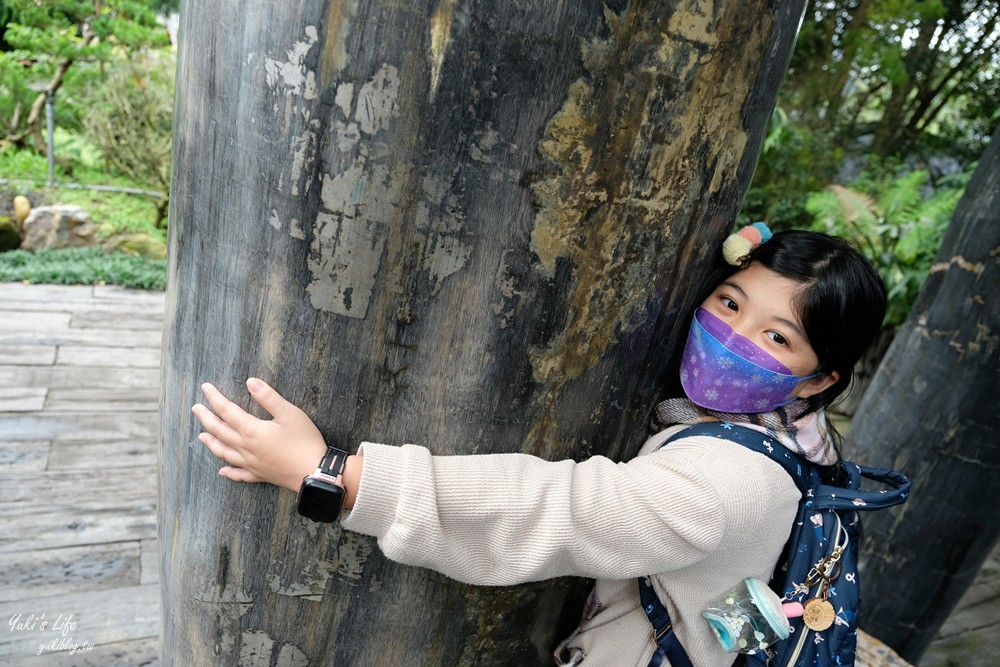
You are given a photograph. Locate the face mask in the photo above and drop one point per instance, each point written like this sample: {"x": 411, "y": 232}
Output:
{"x": 723, "y": 371}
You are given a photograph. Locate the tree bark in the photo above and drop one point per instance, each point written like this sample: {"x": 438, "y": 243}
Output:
{"x": 943, "y": 367}
{"x": 473, "y": 226}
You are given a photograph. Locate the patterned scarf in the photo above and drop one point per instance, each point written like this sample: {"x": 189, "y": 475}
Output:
{"x": 801, "y": 431}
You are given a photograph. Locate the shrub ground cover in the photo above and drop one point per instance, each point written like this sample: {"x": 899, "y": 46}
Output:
{"x": 83, "y": 266}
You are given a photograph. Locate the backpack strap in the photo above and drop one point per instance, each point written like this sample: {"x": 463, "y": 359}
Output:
{"x": 805, "y": 474}
{"x": 667, "y": 644}
{"x": 798, "y": 468}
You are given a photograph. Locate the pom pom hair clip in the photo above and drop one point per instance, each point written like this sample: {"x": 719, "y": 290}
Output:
{"x": 737, "y": 247}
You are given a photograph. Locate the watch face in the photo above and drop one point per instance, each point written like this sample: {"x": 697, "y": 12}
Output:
{"x": 319, "y": 500}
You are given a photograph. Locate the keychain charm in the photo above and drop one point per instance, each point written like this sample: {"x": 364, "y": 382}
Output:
{"x": 818, "y": 614}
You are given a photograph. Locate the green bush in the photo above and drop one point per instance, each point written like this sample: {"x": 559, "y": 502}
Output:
{"x": 130, "y": 119}
{"x": 83, "y": 266}
{"x": 23, "y": 165}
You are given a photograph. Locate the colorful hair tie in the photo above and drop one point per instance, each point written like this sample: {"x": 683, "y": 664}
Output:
{"x": 737, "y": 247}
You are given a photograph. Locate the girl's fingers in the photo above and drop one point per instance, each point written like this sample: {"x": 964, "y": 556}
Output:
{"x": 220, "y": 449}
{"x": 238, "y": 474}
{"x": 216, "y": 426}
{"x": 270, "y": 400}
{"x": 232, "y": 414}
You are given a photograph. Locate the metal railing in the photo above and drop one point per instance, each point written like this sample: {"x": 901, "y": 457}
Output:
{"x": 81, "y": 186}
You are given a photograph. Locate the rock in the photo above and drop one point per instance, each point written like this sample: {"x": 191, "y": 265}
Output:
{"x": 48, "y": 227}
{"x": 10, "y": 236}
{"x": 137, "y": 244}
{"x": 22, "y": 208}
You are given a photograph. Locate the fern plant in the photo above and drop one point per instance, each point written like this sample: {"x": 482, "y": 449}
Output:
{"x": 897, "y": 222}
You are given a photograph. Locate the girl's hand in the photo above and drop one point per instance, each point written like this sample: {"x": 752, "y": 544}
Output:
{"x": 281, "y": 451}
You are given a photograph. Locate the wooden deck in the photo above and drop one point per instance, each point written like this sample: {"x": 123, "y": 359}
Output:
{"x": 79, "y": 376}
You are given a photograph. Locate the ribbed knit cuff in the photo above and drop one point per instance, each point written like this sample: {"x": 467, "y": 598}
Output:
{"x": 378, "y": 491}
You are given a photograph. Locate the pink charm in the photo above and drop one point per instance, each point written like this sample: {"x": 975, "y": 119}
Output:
{"x": 792, "y": 609}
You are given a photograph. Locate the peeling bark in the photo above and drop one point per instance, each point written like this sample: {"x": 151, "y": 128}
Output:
{"x": 468, "y": 227}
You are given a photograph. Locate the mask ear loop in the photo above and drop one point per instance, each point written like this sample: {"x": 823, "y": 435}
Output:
{"x": 801, "y": 379}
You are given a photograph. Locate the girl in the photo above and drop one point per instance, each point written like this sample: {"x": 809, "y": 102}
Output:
{"x": 770, "y": 347}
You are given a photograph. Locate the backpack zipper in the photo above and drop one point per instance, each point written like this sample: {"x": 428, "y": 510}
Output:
{"x": 798, "y": 648}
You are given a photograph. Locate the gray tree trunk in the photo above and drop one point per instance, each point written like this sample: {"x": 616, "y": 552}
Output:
{"x": 474, "y": 226}
{"x": 931, "y": 411}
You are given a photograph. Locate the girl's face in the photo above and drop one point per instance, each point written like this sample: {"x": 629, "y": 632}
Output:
{"x": 758, "y": 304}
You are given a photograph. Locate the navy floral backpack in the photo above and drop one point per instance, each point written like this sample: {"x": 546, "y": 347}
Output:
{"x": 819, "y": 566}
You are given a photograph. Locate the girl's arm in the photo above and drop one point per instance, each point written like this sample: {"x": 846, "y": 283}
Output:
{"x": 500, "y": 519}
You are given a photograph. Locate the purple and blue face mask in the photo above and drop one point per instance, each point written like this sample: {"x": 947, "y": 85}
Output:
{"x": 726, "y": 372}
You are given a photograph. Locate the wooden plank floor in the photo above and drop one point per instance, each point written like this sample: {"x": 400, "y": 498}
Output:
{"x": 79, "y": 376}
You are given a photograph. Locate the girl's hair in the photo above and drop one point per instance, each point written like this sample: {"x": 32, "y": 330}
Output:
{"x": 841, "y": 306}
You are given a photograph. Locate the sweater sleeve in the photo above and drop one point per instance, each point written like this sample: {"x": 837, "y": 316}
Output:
{"x": 501, "y": 519}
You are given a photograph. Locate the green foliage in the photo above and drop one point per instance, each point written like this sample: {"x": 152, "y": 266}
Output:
{"x": 62, "y": 25}
{"x": 15, "y": 164}
{"x": 78, "y": 149}
{"x": 165, "y": 6}
{"x": 130, "y": 119}
{"x": 83, "y": 266}
{"x": 137, "y": 244}
{"x": 794, "y": 161}
{"x": 113, "y": 82}
{"x": 63, "y": 45}
{"x": 898, "y": 88}
{"x": 896, "y": 222}
{"x": 898, "y": 77}
{"x": 15, "y": 95}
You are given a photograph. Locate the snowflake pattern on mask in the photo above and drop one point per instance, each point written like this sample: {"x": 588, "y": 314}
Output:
{"x": 722, "y": 370}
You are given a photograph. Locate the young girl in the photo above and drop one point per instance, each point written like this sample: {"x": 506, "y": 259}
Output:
{"x": 772, "y": 345}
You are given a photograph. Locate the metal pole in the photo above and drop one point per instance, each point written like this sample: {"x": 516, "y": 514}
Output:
{"x": 50, "y": 123}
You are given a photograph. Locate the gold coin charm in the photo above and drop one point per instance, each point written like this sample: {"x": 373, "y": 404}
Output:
{"x": 818, "y": 614}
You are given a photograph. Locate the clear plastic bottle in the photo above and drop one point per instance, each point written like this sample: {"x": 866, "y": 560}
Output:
{"x": 749, "y": 618}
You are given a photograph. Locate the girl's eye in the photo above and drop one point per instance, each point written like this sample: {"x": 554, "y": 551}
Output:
{"x": 777, "y": 338}
{"x": 729, "y": 303}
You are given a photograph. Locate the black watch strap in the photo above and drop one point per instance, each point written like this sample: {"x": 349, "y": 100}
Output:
{"x": 333, "y": 461}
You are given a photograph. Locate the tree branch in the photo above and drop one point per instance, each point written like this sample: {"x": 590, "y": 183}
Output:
{"x": 34, "y": 121}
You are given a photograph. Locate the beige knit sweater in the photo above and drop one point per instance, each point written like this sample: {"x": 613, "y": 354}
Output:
{"x": 700, "y": 515}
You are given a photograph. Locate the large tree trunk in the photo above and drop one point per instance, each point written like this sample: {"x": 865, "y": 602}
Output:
{"x": 931, "y": 411}
{"x": 470, "y": 225}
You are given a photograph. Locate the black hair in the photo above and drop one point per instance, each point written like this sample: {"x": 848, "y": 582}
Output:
{"x": 842, "y": 304}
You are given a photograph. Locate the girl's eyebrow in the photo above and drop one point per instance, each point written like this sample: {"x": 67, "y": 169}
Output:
{"x": 735, "y": 287}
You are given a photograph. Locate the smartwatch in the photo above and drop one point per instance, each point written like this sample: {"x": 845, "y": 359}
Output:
{"x": 321, "y": 495}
